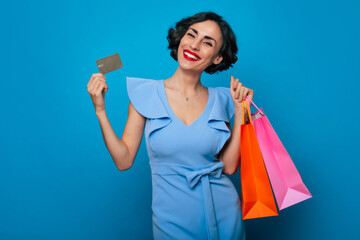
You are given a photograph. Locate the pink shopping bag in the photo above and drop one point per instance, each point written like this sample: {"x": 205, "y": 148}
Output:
{"x": 285, "y": 179}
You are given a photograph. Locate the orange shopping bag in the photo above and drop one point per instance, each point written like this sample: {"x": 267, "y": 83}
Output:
{"x": 257, "y": 199}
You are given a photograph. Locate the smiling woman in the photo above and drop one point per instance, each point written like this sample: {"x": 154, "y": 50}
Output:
{"x": 190, "y": 143}
{"x": 198, "y": 40}
{"x": 227, "y": 47}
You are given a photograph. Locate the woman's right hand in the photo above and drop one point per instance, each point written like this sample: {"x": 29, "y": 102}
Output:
{"x": 97, "y": 87}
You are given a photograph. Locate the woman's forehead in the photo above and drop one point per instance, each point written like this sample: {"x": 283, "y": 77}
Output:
{"x": 208, "y": 27}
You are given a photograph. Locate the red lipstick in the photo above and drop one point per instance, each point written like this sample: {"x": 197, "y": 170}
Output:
{"x": 189, "y": 57}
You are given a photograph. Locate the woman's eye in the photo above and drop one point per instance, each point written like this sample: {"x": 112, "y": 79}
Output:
{"x": 208, "y": 43}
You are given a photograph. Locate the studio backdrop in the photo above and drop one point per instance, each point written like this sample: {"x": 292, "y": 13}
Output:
{"x": 57, "y": 179}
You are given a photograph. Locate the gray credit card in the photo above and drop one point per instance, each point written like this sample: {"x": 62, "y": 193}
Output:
{"x": 109, "y": 63}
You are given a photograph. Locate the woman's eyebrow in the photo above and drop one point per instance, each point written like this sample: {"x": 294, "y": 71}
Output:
{"x": 207, "y": 37}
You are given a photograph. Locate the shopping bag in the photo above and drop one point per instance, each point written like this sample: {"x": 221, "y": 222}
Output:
{"x": 257, "y": 199}
{"x": 285, "y": 179}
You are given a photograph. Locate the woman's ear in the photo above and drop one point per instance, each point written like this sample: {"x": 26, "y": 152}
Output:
{"x": 218, "y": 60}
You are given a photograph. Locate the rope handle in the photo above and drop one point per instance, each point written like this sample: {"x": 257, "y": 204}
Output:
{"x": 247, "y": 98}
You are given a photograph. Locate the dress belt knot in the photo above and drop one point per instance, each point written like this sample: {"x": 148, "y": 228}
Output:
{"x": 193, "y": 177}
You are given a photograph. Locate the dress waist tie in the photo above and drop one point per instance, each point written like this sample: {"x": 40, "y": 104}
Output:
{"x": 193, "y": 177}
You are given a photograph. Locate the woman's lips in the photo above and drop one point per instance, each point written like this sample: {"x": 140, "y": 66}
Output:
{"x": 190, "y": 56}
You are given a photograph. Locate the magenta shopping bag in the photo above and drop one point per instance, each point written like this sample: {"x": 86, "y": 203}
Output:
{"x": 285, "y": 179}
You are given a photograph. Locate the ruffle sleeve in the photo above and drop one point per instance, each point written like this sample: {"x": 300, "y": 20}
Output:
{"x": 144, "y": 96}
{"x": 222, "y": 111}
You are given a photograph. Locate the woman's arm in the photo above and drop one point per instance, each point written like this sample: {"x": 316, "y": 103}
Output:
{"x": 230, "y": 154}
{"x": 123, "y": 151}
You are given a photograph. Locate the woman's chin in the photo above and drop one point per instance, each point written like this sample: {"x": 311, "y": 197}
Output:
{"x": 188, "y": 66}
{"x": 189, "y": 69}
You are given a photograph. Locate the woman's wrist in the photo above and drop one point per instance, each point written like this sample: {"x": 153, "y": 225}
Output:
{"x": 238, "y": 111}
{"x": 100, "y": 113}
{"x": 238, "y": 118}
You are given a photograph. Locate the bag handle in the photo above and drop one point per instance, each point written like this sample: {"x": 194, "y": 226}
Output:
{"x": 247, "y": 98}
{"x": 243, "y": 112}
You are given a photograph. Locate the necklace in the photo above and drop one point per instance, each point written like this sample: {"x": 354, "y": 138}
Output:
{"x": 187, "y": 98}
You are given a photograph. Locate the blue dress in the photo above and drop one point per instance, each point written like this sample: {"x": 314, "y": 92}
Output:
{"x": 191, "y": 197}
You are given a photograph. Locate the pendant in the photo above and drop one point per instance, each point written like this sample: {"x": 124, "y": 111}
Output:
{"x": 186, "y": 99}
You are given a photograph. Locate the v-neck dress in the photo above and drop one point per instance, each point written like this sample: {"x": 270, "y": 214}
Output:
{"x": 191, "y": 197}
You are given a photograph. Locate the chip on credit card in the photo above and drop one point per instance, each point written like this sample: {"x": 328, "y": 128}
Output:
{"x": 109, "y": 63}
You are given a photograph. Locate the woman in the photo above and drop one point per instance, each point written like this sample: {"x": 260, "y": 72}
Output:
{"x": 188, "y": 136}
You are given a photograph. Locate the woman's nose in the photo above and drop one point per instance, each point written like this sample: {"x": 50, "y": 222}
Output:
{"x": 195, "y": 44}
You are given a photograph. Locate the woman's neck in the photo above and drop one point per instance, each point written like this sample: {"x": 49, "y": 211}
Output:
{"x": 186, "y": 82}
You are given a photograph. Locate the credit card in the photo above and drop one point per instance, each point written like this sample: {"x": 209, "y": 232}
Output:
{"x": 109, "y": 63}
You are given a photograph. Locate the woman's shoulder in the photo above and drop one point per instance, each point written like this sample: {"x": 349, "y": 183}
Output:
{"x": 144, "y": 96}
{"x": 223, "y": 91}
{"x": 133, "y": 82}
{"x": 141, "y": 87}
{"x": 223, "y": 108}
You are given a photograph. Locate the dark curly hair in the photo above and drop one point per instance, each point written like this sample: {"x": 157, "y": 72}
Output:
{"x": 228, "y": 49}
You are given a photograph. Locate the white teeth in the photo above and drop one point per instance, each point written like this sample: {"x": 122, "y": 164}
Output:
{"x": 190, "y": 55}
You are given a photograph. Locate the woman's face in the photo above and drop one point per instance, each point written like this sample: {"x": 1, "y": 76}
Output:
{"x": 200, "y": 46}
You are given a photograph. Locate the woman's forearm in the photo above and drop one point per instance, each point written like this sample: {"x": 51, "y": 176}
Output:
{"x": 231, "y": 154}
{"x": 117, "y": 148}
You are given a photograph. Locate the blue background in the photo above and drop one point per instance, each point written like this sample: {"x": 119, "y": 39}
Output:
{"x": 57, "y": 179}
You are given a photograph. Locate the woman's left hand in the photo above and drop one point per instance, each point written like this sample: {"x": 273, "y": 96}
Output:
{"x": 239, "y": 92}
